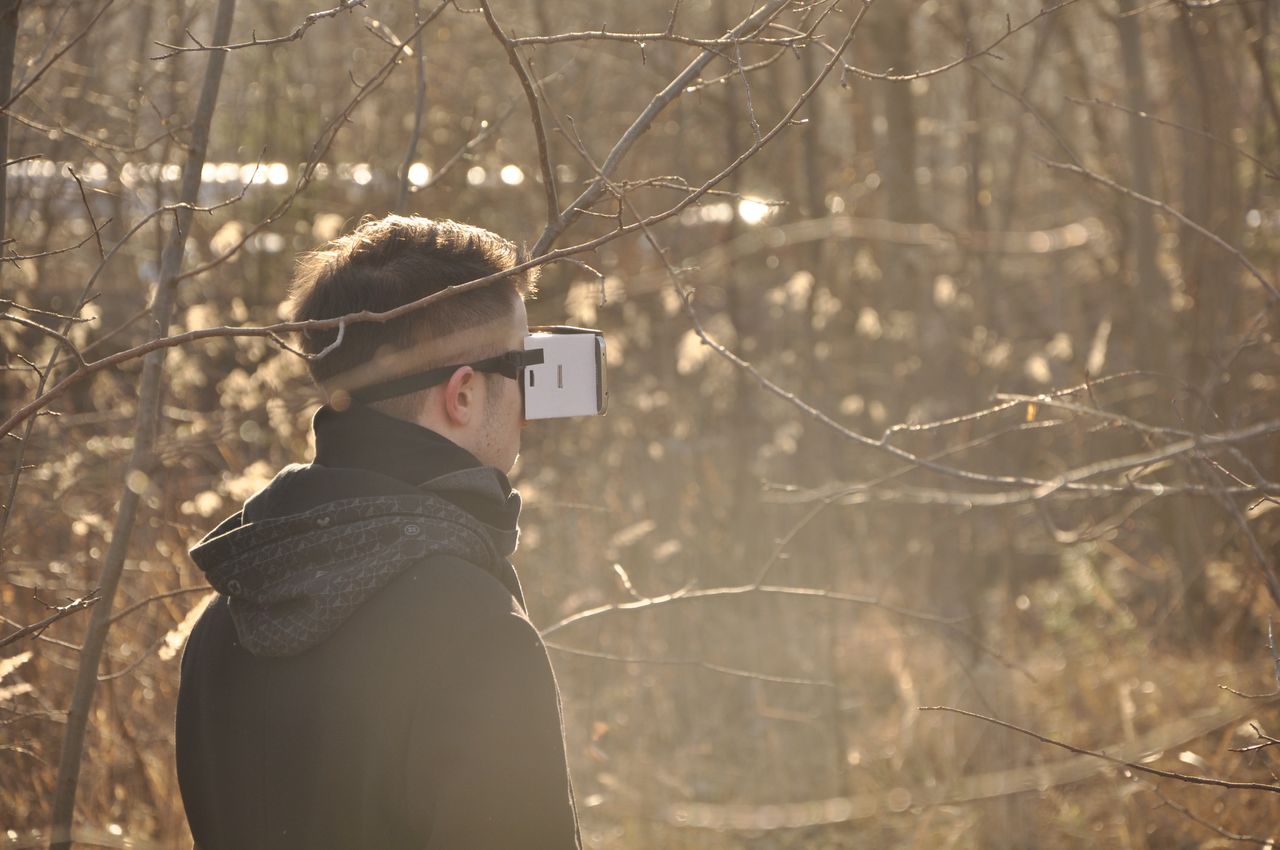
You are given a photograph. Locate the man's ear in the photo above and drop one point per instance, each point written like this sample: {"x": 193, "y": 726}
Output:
{"x": 460, "y": 395}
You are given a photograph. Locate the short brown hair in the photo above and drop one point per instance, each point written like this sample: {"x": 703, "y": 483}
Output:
{"x": 387, "y": 262}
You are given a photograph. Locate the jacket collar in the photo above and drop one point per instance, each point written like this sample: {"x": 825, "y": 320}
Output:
{"x": 363, "y": 438}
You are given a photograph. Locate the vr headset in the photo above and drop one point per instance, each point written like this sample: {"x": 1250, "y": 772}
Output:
{"x": 564, "y": 373}
{"x": 561, "y": 371}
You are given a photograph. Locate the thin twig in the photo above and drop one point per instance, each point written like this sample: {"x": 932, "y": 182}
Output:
{"x": 47, "y": 331}
{"x": 135, "y": 664}
{"x": 746, "y": 86}
{"x": 1161, "y": 205}
{"x": 89, "y": 141}
{"x": 6, "y": 304}
{"x": 29, "y": 156}
{"x": 488, "y": 129}
{"x": 307, "y": 22}
{"x": 141, "y": 603}
{"x": 1097, "y": 101}
{"x": 728, "y": 592}
{"x": 1267, "y": 741}
{"x": 1031, "y": 110}
{"x": 419, "y": 110}
{"x": 1192, "y": 816}
{"x": 84, "y": 199}
{"x": 645, "y": 120}
{"x": 989, "y": 50}
{"x": 322, "y": 144}
{"x": 17, "y": 258}
{"x": 34, "y": 78}
{"x": 947, "y": 625}
{"x": 738, "y": 69}
{"x": 1265, "y": 567}
{"x": 42, "y": 382}
{"x": 535, "y": 113}
{"x": 1141, "y": 768}
{"x": 643, "y": 38}
{"x": 691, "y": 662}
{"x": 60, "y": 612}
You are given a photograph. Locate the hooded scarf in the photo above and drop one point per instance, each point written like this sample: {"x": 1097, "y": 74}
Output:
{"x": 320, "y": 540}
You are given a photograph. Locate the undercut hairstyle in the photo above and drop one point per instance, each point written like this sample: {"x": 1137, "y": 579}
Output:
{"x": 388, "y": 262}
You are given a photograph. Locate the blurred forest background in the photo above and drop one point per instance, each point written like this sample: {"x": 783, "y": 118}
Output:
{"x": 943, "y": 374}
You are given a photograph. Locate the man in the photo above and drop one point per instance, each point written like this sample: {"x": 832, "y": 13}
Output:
{"x": 367, "y": 677}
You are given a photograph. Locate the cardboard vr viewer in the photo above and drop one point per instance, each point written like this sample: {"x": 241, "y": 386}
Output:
{"x": 570, "y": 380}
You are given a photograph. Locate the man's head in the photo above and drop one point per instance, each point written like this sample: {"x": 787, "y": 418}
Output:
{"x": 391, "y": 261}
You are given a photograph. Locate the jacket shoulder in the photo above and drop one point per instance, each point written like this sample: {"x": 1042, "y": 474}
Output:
{"x": 447, "y": 589}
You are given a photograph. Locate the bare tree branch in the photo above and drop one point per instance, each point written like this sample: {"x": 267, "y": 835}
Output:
{"x": 642, "y": 123}
{"x": 1161, "y": 205}
{"x": 322, "y": 145}
{"x": 168, "y": 594}
{"x": 949, "y": 626}
{"x": 1135, "y": 766}
{"x": 989, "y": 50}
{"x": 60, "y": 612}
{"x": 35, "y": 78}
{"x": 535, "y": 113}
{"x": 53, "y": 252}
{"x": 419, "y": 110}
{"x": 49, "y": 332}
{"x": 1207, "y": 824}
{"x": 307, "y": 23}
{"x": 691, "y": 662}
{"x": 1195, "y": 131}
{"x": 6, "y": 304}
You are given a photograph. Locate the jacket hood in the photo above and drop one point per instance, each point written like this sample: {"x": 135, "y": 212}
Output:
{"x": 316, "y": 542}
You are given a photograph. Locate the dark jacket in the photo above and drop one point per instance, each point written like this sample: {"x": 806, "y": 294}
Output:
{"x": 367, "y": 677}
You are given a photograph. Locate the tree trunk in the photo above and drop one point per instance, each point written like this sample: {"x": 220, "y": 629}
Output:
{"x": 141, "y": 462}
{"x": 1153, "y": 318}
{"x": 8, "y": 50}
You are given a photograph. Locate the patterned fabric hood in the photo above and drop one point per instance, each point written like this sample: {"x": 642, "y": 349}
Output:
{"x": 293, "y": 579}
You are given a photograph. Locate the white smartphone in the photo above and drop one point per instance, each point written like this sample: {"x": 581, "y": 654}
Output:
{"x": 570, "y": 379}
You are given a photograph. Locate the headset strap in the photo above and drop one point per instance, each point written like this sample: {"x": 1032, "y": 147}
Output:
{"x": 509, "y": 364}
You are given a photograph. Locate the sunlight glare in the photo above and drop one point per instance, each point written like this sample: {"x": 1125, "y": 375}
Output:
{"x": 511, "y": 175}
{"x": 419, "y": 174}
{"x": 278, "y": 173}
{"x": 753, "y": 211}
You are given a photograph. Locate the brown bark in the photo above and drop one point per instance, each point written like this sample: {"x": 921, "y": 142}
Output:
{"x": 8, "y": 50}
{"x": 142, "y": 461}
{"x": 1153, "y": 325}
